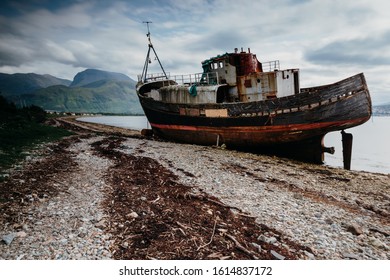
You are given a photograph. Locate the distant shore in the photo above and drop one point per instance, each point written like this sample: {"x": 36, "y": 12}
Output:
{"x": 110, "y": 193}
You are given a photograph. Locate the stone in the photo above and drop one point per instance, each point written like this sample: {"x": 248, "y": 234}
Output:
{"x": 377, "y": 243}
{"x": 355, "y": 229}
{"x": 272, "y": 240}
{"x": 298, "y": 196}
{"x": 329, "y": 221}
{"x": 21, "y": 234}
{"x": 318, "y": 215}
{"x": 8, "y": 238}
{"x": 257, "y": 246}
{"x": 310, "y": 255}
{"x": 101, "y": 224}
{"x": 16, "y": 226}
{"x": 276, "y": 255}
{"x": 262, "y": 238}
{"x": 133, "y": 215}
{"x": 350, "y": 256}
{"x": 269, "y": 240}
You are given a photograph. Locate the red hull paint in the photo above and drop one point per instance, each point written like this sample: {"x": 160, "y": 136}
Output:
{"x": 237, "y": 104}
{"x": 299, "y": 141}
{"x": 265, "y": 129}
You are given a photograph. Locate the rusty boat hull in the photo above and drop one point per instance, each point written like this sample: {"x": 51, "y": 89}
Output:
{"x": 292, "y": 126}
{"x": 244, "y": 104}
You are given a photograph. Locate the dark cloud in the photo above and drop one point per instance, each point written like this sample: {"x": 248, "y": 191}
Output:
{"x": 62, "y": 37}
{"x": 14, "y": 51}
{"x": 363, "y": 51}
{"x": 13, "y": 8}
{"x": 8, "y": 58}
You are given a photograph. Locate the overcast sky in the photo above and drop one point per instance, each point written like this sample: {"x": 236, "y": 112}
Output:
{"x": 327, "y": 39}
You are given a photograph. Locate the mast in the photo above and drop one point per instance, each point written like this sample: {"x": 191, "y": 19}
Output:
{"x": 148, "y": 60}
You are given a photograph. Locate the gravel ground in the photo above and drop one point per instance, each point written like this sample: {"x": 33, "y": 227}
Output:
{"x": 65, "y": 225}
{"x": 338, "y": 214}
{"x": 328, "y": 213}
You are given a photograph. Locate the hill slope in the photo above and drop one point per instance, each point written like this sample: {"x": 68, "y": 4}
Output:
{"x": 92, "y": 91}
{"x": 93, "y": 75}
{"x": 11, "y": 84}
{"x": 381, "y": 110}
{"x": 110, "y": 97}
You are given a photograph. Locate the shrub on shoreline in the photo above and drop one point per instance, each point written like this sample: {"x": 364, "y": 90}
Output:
{"x": 21, "y": 130}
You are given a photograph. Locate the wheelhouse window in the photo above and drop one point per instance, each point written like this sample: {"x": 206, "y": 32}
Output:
{"x": 216, "y": 65}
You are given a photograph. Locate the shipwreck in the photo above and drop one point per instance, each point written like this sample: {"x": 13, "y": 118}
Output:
{"x": 245, "y": 104}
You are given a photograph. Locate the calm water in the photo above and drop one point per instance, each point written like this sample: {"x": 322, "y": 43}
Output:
{"x": 370, "y": 149}
{"x": 131, "y": 122}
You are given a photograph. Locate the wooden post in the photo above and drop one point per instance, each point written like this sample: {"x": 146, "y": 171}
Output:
{"x": 347, "y": 149}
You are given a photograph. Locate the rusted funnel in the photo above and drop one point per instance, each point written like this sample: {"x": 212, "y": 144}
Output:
{"x": 347, "y": 149}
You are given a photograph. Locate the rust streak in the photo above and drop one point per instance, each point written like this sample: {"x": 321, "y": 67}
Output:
{"x": 271, "y": 128}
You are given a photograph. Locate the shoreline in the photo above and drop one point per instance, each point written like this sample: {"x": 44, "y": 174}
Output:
{"x": 293, "y": 210}
{"x": 373, "y": 162}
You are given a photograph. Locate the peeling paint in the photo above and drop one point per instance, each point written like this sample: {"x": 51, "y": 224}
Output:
{"x": 240, "y": 105}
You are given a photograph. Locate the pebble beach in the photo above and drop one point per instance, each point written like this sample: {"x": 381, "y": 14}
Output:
{"x": 330, "y": 213}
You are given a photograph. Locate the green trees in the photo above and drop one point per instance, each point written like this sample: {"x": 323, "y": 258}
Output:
{"x": 21, "y": 129}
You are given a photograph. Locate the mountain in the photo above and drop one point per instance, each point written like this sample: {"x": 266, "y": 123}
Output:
{"x": 115, "y": 97}
{"x": 381, "y": 110}
{"x": 27, "y": 83}
{"x": 91, "y": 91}
{"x": 93, "y": 75}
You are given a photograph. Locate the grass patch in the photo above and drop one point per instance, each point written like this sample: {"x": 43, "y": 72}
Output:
{"x": 16, "y": 142}
{"x": 21, "y": 130}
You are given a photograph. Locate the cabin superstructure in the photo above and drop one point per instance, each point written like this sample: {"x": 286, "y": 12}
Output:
{"x": 228, "y": 78}
{"x": 250, "y": 105}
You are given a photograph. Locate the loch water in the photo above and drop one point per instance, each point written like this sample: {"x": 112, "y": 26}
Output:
{"x": 370, "y": 148}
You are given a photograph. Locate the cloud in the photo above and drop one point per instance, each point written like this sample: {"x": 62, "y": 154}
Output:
{"x": 64, "y": 37}
{"x": 77, "y": 35}
{"x": 368, "y": 51}
{"x": 58, "y": 53}
{"x": 13, "y": 51}
{"x": 84, "y": 53}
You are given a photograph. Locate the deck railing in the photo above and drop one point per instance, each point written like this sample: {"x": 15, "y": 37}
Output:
{"x": 270, "y": 66}
{"x": 153, "y": 77}
{"x": 210, "y": 78}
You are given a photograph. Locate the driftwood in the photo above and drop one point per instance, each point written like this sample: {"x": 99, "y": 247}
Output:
{"x": 174, "y": 222}
{"x": 242, "y": 248}
{"x": 205, "y": 198}
{"x": 211, "y": 239}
